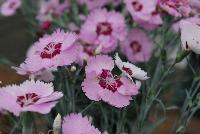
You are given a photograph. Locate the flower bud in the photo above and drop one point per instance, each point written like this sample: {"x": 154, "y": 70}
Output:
{"x": 73, "y": 68}
{"x": 57, "y": 124}
{"x": 98, "y": 50}
{"x": 90, "y": 119}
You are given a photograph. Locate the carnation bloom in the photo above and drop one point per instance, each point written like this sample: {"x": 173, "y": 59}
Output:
{"x": 92, "y": 4}
{"x": 52, "y": 51}
{"x": 33, "y": 96}
{"x": 44, "y": 74}
{"x": 137, "y": 47}
{"x": 9, "y": 7}
{"x": 103, "y": 29}
{"x": 144, "y": 12}
{"x": 177, "y": 26}
{"x": 101, "y": 84}
{"x": 190, "y": 33}
{"x": 177, "y": 8}
{"x": 77, "y": 124}
{"x": 130, "y": 70}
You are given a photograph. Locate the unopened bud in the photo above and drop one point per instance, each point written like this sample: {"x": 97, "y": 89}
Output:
{"x": 138, "y": 83}
{"x": 31, "y": 76}
{"x": 90, "y": 119}
{"x": 73, "y": 68}
{"x": 105, "y": 132}
{"x": 57, "y": 124}
{"x": 98, "y": 50}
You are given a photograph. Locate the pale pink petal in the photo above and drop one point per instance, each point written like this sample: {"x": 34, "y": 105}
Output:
{"x": 43, "y": 108}
{"x": 39, "y": 87}
{"x": 129, "y": 88}
{"x": 8, "y": 102}
{"x": 91, "y": 87}
{"x": 53, "y": 97}
{"x": 98, "y": 63}
{"x": 68, "y": 56}
{"x": 114, "y": 98}
{"x": 77, "y": 124}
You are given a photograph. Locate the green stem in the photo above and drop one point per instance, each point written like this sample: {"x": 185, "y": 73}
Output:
{"x": 71, "y": 80}
{"x": 85, "y": 109}
{"x": 187, "y": 122}
{"x": 121, "y": 121}
{"x": 148, "y": 102}
{"x": 185, "y": 112}
{"x": 27, "y": 123}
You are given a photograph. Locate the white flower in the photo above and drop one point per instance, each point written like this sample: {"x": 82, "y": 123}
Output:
{"x": 190, "y": 36}
{"x": 130, "y": 70}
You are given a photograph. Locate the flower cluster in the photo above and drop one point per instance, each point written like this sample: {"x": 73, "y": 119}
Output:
{"x": 101, "y": 84}
{"x": 103, "y": 30}
{"x": 94, "y": 51}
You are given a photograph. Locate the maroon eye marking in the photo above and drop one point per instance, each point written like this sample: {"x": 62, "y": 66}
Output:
{"x": 108, "y": 81}
{"x": 137, "y": 6}
{"x": 127, "y": 70}
{"x": 27, "y": 99}
{"x": 104, "y": 28}
{"x": 136, "y": 46}
{"x": 12, "y": 5}
{"x": 51, "y": 50}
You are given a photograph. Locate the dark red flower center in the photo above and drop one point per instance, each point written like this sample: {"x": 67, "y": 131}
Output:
{"x": 51, "y": 50}
{"x": 27, "y": 99}
{"x": 108, "y": 81}
{"x": 137, "y": 6}
{"x": 136, "y": 46}
{"x": 127, "y": 70}
{"x": 12, "y": 4}
{"x": 104, "y": 28}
